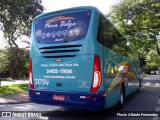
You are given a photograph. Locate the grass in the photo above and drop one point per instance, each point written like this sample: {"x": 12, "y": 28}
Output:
{"x": 145, "y": 75}
{"x": 12, "y": 89}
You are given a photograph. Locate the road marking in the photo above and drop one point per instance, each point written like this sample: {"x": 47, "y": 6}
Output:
{"x": 158, "y": 102}
{"x": 147, "y": 84}
{"x": 156, "y": 118}
{"x": 157, "y": 84}
{"x": 152, "y": 84}
{"x": 157, "y": 110}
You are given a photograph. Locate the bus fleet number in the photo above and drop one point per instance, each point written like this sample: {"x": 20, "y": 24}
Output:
{"x": 41, "y": 82}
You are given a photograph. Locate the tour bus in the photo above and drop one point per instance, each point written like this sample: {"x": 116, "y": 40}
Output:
{"x": 79, "y": 59}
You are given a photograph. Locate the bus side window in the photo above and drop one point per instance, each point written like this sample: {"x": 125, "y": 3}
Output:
{"x": 109, "y": 34}
{"x": 110, "y": 37}
{"x": 100, "y": 32}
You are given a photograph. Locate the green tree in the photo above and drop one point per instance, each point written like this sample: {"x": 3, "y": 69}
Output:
{"x": 7, "y": 61}
{"x": 153, "y": 60}
{"x": 139, "y": 21}
{"x": 15, "y": 18}
{"x": 24, "y": 62}
{"x": 4, "y": 62}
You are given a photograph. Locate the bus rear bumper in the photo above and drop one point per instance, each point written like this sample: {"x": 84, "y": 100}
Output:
{"x": 92, "y": 101}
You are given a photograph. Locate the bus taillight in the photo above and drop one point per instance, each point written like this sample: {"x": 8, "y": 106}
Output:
{"x": 30, "y": 74}
{"x": 96, "y": 82}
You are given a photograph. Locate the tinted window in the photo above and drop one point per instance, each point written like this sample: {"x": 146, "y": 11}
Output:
{"x": 109, "y": 36}
{"x": 63, "y": 27}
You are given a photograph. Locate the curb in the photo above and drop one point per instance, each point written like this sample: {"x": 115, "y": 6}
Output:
{"x": 18, "y": 102}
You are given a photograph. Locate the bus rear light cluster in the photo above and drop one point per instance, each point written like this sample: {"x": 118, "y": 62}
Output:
{"x": 30, "y": 74}
{"x": 35, "y": 93}
{"x": 96, "y": 82}
{"x": 85, "y": 97}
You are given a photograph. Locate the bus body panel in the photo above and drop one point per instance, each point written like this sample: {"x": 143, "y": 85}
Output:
{"x": 63, "y": 73}
{"x": 73, "y": 74}
{"x": 119, "y": 69}
{"x": 76, "y": 66}
{"x": 71, "y": 78}
{"x": 80, "y": 100}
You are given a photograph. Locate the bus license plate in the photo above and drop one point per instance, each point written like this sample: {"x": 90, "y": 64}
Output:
{"x": 59, "y": 97}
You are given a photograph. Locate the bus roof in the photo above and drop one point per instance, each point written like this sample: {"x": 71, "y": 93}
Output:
{"x": 68, "y": 9}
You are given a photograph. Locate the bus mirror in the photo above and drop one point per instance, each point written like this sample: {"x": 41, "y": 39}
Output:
{"x": 142, "y": 61}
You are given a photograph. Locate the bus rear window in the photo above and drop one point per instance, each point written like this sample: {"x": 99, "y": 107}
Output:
{"x": 62, "y": 28}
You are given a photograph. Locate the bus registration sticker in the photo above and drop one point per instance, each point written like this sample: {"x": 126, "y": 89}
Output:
{"x": 59, "y": 97}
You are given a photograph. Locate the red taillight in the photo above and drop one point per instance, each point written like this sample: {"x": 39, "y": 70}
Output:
{"x": 30, "y": 74}
{"x": 96, "y": 82}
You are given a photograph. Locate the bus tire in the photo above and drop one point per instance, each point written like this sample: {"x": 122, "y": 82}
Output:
{"x": 122, "y": 97}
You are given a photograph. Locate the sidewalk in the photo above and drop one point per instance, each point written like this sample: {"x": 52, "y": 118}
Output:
{"x": 8, "y": 82}
{"x": 15, "y": 99}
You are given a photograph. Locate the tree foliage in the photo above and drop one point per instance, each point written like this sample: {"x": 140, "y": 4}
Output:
{"x": 15, "y": 19}
{"x": 16, "y": 16}
{"x": 7, "y": 61}
{"x": 4, "y": 62}
{"x": 139, "y": 21}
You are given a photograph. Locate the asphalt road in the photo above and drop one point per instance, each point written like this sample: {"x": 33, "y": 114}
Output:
{"x": 147, "y": 100}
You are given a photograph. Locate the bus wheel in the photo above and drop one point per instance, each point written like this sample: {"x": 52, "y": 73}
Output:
{"x": 122, "y": 97}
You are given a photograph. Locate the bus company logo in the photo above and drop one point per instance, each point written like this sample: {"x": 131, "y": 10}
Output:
{"x": 59, "y": 18}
